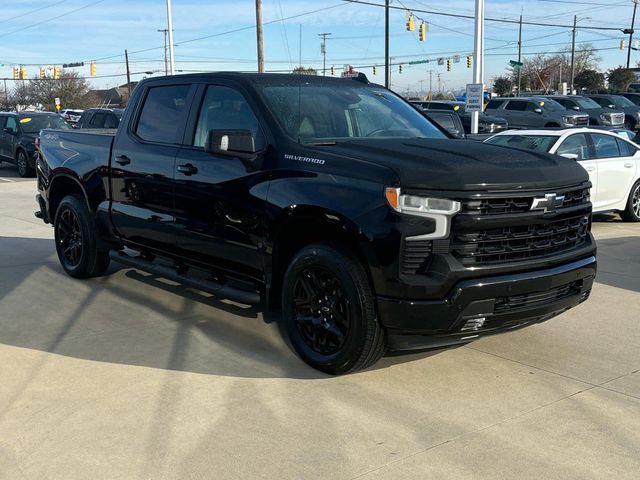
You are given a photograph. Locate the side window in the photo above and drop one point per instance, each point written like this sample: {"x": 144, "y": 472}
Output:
{"x": 111, "y": 121}
{"x": 3, "y": 122}
{"x": 493, "y": 104}
{"x": 160, "y": 118}
{"x": 603, "y": 102}
{"x": 626, "y": 149}
{"x": 605, "y": 146}
{"x": 516, "y": 105}
{"x": 11, "y": 124}
{"x": 224, "y": 108}
{"x": 577, "y": 145}
{"x": 97, "y": 121}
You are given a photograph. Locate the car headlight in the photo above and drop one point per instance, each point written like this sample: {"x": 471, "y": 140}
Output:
{"x": 569, "y": 120}
{"x": 439, "y": 209}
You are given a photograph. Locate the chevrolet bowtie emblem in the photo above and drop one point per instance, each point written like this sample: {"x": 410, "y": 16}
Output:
{"x": 549, "y": 203}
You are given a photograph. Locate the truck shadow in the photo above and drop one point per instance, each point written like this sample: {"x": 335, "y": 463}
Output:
{"x": 619, "y": 262}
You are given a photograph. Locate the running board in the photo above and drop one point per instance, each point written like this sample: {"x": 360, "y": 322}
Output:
{"x": 215, "y": 288}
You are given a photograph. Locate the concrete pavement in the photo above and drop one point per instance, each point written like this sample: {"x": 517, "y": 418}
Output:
{"x": 132, "y": 377}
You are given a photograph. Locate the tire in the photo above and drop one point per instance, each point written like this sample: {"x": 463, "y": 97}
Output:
{"x": 343, "y": 335}
{"x": 77, "y": 240}
{"x": 632, "y": 212}
{"x": 22, "y": 162}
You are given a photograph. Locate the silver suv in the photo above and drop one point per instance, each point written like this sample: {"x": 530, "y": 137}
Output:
{"x": 535, "y": 112}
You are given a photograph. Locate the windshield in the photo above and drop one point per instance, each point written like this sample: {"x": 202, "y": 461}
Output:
{"x": 551, "y": 105}
{"x": 312, "y": 113}
{"x": 622, "y": 102}
{"x": 38, "y": 122}
{"x": 586, "y": 103}
{"x": 539, "y": 143}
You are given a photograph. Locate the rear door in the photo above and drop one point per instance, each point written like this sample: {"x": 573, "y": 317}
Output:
{"x": 142, "y": 165}
{"x": 578, "y": 144}
{"x": 616, "y": 170}
{"x": 515, "y": 113}
{"x": 219, "y": 208}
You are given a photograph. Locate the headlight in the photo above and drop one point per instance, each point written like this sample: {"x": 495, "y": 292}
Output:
{"x": 606, "y": 118}
{"x": 439, "y": 209}
{"x": 569, "y": 120}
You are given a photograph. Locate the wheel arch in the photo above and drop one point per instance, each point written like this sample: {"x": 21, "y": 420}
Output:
{"x": 61, "y": 186}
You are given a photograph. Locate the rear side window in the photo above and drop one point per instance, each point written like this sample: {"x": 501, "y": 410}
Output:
{"x": 576, "y": 145}
{"x": 626, "y": 149}
{"x": 445, "y": 121}
{"x": 11, "y": 124}
{"x": 160, "y": 118}
{"x": 493, "y": 104}
{"x": 97, "y": 121}
{"x": 516, "y": 105}
{"x": 606, "y": 146}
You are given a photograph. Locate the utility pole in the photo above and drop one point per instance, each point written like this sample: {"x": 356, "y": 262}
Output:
{"x": 387, "y": 66}
{"x": 323, "y": 51}
{"x": 126, "y": 61}
{"x": 166, "y": 64}
{"x": 259, "y": 36}
{"x": 170, "y": 28}
{"x": 421, "y": 88}
{"x": 573, "y": 53}
{"x": 478, "y": 66}
{"x": 6, "y": 96}
{"x": 519, "y": 53}
{"x": 430, "y": 84}
{"x": 439, "y": 87}
{"x": 633, "y": 23}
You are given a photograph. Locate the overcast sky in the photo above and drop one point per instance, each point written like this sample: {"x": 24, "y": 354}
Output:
{"x": 48, "y": 32}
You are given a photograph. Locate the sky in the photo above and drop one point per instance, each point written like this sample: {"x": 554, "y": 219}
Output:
{"x": 219, "y": 35}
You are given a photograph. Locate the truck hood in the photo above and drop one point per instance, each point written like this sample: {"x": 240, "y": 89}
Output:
{"x": 462, "y": 164}
{"x": 492, "y": 119}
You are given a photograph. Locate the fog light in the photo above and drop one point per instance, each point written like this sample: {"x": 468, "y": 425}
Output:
{"x": 473, "y": 324}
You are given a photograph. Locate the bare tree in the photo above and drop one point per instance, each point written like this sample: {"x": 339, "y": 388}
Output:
{"x": 41, "y": 93}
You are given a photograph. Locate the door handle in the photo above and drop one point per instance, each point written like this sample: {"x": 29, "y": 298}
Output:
{"x": 187, "y": 169}
{"x": 123, "y": 160}
{"x": 628, "y": 165}
{"x": 589, "y": 169}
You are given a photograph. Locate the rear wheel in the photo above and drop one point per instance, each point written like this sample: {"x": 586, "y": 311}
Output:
{"x": 22, "y": 162}
{"x": 329, "y": 311}
{"x": 77, "y": 240}
{"x": 632, "y": 212}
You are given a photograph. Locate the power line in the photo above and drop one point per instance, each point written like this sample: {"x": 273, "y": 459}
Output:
{"x": 39, "y": 9}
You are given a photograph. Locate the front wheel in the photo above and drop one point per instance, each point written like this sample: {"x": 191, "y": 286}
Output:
{"x": 632, "y": 212}
{"x": 22, "y": 162}
{"x": 329, "y": 311}
{"x": 629, "y": 124}
{"x": 77, "y": 240}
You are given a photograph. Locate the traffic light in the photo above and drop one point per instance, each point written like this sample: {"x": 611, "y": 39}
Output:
{"x": 469, "y": 61}
{"x": 16, "y": 73}
{"x": 374, "y": 69}
{"x": 56, "y": 73}
{"x": 333, "y": 70}
{"x": 622, "y": 44}
{"x": 43, "y": 74}
{"x": 411, "y": 25}
{"x": 422, "y": 32}
{"x": 92, "y": 69}
{"x": 23, "y": 73}
{"x": 400, "y": 68}
{"x": 448, "y": 64}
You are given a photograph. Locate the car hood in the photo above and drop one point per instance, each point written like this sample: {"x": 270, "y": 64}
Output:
{"x": 492, "y": 119}
{"x": 462, "y": 164}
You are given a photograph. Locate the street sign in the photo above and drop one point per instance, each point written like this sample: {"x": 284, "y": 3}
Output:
{"x": 57, "y": 102}
{"x": 456, "y": 59}
{"x": 515, "y": 64}
{"x": 475, "y": 100}
{"x": 441, "y": 61}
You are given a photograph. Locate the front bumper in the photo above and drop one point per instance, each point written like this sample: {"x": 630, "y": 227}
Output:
{"x": 504, "y": 302}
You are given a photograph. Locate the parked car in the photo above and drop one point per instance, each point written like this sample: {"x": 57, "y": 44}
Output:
{"x": 18, "y": 132}
{"x": 71, "y": 116}
{"x": 332, "y": 199}
{"x": 620, "y": 103}
{"x": 100, "y": 118}
{"x": 486, "y": 123}
{"x": 613, "y": 163}
{"x": 448, "y": 120}
{"x": 537, "y": 111}
{"x": 597, "y": 114}
{"x": 633, "y": 96}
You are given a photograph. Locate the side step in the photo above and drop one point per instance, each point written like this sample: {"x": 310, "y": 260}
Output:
{"x": 215, "y": 288}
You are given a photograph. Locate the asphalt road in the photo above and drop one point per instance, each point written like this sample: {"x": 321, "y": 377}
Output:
{"x": 131, "y": 377}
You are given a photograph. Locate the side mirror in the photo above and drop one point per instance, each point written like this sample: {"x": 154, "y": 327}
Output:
{"x": 611, "y": 106}
{"x": 570, "y": 156}
{"x": 231, "y": 143}
{"x": 576, "y": 108}
{"x": 537, "y": 110}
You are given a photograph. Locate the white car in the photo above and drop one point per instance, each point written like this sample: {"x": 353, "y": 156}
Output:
{"x": 613, "y": 163}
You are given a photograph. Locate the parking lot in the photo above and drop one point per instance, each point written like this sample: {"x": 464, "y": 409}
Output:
{"x": 129, "y": 376}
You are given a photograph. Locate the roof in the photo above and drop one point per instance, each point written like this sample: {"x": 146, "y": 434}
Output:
{"x": 556, "y": 132}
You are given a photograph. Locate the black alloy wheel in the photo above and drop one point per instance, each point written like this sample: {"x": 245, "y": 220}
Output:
{"x": 22, "y": 162}
{"x": 321, "y": 310}
{"x": 69, "y": 238}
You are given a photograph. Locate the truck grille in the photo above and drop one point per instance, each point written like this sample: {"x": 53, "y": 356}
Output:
{"x": 582, "y": 121}
{"x": 520, "y": 204}
{"x": 521, "y": 242}
{"x": 617, "y": 118}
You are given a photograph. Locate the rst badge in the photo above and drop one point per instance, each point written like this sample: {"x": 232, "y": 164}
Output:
{"x": 549, "y": 203}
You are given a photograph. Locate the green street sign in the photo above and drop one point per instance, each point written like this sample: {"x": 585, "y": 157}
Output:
{"x": 515, "y": 64}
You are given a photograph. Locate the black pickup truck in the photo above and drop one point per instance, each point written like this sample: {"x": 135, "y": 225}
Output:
{"x": 331, "y": 199}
